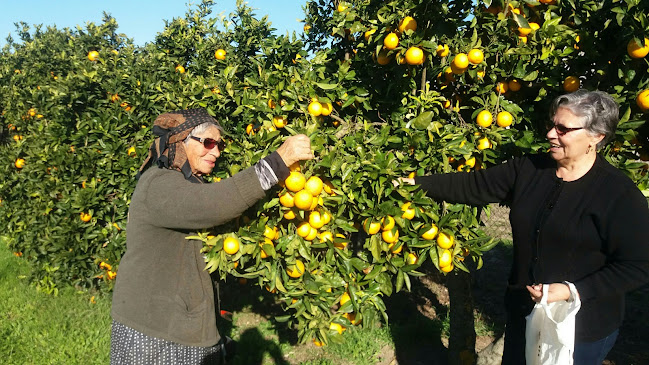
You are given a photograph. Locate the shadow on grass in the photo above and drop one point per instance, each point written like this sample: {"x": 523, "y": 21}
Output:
{"x": 417, "y": 336}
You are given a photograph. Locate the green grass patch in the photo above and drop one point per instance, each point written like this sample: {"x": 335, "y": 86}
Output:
{"x": 37, "y": 328}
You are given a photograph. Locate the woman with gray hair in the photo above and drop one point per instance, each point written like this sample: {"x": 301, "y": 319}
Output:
{"x": 575, "y": 218}
{"x": 164, "y": 308}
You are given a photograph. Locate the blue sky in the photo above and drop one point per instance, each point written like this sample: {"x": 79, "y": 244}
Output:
{"x": 140, "y": 20}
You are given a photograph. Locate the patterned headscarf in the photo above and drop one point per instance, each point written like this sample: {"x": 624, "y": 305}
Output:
{"x": 168, "y": 149}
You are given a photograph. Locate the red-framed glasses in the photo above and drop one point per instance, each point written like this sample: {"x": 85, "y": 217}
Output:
{"x": 210, "y": 143}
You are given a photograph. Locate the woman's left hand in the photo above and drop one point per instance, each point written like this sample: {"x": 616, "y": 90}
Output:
{"x": 556, "y": 292}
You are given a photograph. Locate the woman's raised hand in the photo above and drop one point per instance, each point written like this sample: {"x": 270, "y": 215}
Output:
{"x": 295, "y": 148}
{"x": 404, "y": 181}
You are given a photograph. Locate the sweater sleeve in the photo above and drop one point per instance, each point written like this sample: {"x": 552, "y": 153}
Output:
{"x": 627, "y": 249}
{"x": 179, "y": 204}
{"x": 492, "y": 185}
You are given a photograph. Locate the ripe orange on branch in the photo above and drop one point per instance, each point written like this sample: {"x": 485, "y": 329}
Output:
{"x": 637, "y": 51}
{"x": 414, "y": 56}
{"x": 231, "y": 245}
{"x": 571, "y": 84}
{"x": 303, "y": 200}
{"x": 504, "y": 119}
{"x": 475, "y": 56}
{"x": 219, "y": 54}
{"x": 484, "y": 119}
{"x": 407, "y": 23}
{"x": 295, "y": 181}
{"x": 391, "y": 41}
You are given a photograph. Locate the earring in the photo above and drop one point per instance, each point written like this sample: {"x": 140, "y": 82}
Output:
{"x": 589, "y": 148}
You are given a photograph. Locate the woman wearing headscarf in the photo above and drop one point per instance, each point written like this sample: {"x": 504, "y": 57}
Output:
{"x": 163, "y": 302}
{"x": 575, "y": 218}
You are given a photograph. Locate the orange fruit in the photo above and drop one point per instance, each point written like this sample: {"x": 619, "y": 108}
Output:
{"x": 391, "y": 41}
{"x": 484, "y": 143}
{"x": 411, "y": 259}
{"x": 344, "y": 298}
{"x": 296, "y": 270}
{"x": 250, "y": 130}
{"x": 383, "y": 58}
{"x": 266, "y": 242}
{"x": 643, "y": 100}
{"x": 271, "y": 233}
{"x": 20, "y": 163}
{"x": 329, "y": 188}
{"x": 407, "y": 23}
{"x": 312, "y": 234}
{"x": 390, "y": 236}
{"x": 571, "y": 84}
{"x": 85, "y": 217}
{"x": 219, "y": 54}
{"x": 315, "y": 220}
{"x": 501, "y": 87}
{"x": 448, "y": 268}
{"x": 372, "y": 227}
{"x": 279, "y": 122}
{"x": 326, "y": 236}
{"x": 393, "y": 249}
{"x": 287, "y": 200}
{"x": 341, "y": 244}
{"x": 315, "y": 108}
{"x": 442, "y": 50}
{"x": 514, "y": 85}
{"x": 231, "y": 245}
{"x": 93, "y": 55}
{"x": 504, "y": 119}
{"x": 295, "y": 181}
{"x": 637, "y": 51}
{"x": 461, "y": 61}
{"x": 475, "y": 56}
{"x": 180, "y": 69}
{"x": 387, "y": 223}
{"x": 336, "y": 327}
{"x": 484, "y": 119}
{"x": 341, "y": 7}
{"x": 430, "y": 233}
{"x": 444, "y": 240}
{"x": 327, "y": 108}
{"x": 524, "y": 31}
{"x": 290, "y": 215}
{"x": 446, "y": 258}
{"x": 408, "y": 213}
{"x": 131, "y": 151}
{"x": 304, "y": 229}
{"x": 314, "y": 185}
{"x": 414, "y": 56}
{"x": 369, "y": 33}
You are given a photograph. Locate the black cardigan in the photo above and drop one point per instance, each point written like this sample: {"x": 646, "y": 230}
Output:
{"x": 592, "y": 231}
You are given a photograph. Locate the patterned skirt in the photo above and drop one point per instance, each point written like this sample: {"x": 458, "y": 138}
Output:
{"x": 128, "y": 346}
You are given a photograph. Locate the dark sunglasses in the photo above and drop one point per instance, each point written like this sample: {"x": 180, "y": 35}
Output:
{"x": 210, "y": 143}
{"x": 560, "y": 128}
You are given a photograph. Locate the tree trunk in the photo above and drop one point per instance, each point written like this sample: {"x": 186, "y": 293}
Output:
{"x": 461, "y": 343}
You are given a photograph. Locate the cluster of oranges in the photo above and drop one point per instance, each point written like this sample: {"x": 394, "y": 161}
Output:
{"x": 304, "y": 194}
{"x": 390, "y": 234}
{"x": 413, "y": 55}
{"x": 110, "y": 274}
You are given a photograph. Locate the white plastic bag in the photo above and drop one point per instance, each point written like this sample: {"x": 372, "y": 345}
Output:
{"x": 550, "y": 330}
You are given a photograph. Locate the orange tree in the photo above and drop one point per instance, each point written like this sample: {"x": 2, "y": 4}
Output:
{"x": 384, "y": 90}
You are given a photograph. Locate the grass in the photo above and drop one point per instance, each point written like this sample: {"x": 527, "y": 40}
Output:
{"x": 36, "y": 328}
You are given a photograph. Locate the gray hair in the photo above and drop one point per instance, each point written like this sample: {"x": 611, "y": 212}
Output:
{"x": 202, "y": 128}
{"x": 597, "y": 109}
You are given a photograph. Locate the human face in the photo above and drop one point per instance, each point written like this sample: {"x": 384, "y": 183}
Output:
{"x": 570, "y": 142}
{"x": 201, "y": 159}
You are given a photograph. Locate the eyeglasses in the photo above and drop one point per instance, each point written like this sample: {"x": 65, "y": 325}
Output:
{"x": 210, "y": 143}
{"x": 560, "y": 128}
